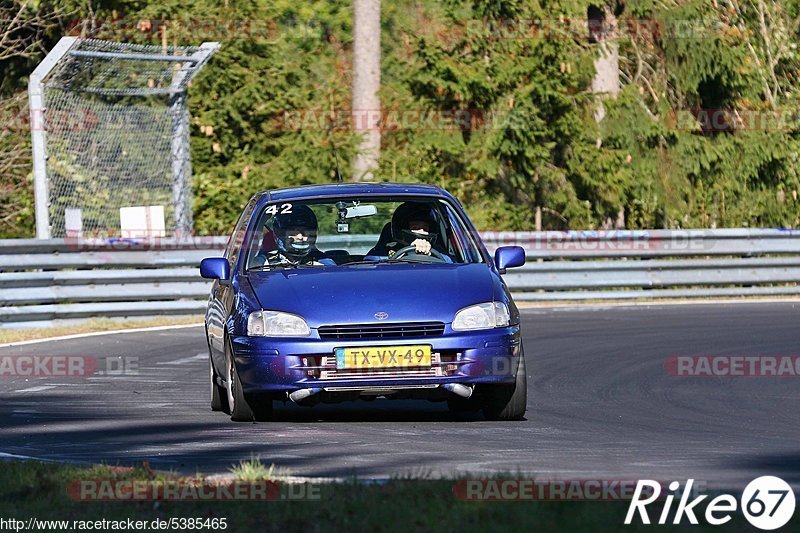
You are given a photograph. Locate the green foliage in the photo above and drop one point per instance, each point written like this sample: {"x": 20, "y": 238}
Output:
{"x": 255, "y": 470}
{"x": 260, "y": 109}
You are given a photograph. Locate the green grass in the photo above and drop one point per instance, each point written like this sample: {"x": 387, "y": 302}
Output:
{"x": 254, "y": 470}
{"x": 34, "y": 489}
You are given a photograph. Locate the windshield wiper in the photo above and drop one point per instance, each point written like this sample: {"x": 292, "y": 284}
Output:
{"x": 293, "y": 266}
{"x": 375, "y": 262}
{"x": 264, "y": 268}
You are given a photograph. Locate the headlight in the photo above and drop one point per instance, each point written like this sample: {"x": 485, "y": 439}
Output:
{"x": 482, "y": 316}
{"x": 276, "y": 324}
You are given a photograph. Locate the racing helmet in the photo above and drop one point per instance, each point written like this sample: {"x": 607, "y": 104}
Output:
{"x": 414, "y": 212}
{"x": 301, "y": 219}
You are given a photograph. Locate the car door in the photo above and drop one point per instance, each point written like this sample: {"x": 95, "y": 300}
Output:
{"x": 223, "y": 293}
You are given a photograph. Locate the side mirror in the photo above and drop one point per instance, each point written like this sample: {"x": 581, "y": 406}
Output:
{"x": 215, "y": 268}
{"x": 509, "y": 257}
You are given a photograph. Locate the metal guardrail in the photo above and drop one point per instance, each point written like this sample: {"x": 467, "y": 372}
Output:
{"x": 63, "y": 278}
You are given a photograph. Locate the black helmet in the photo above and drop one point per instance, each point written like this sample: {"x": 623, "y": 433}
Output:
{"x": 413, "y": 211}
{"x": 301, "y": 219}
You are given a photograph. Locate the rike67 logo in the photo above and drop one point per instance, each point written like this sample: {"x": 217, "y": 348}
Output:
{"x": 767, "y": 503}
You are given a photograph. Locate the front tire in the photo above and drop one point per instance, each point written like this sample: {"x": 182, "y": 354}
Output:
{"x": 238, "y": 408}
{"x": 242, "y": 410}
{"x": 508, "y": 401}
{"x": 218, "y": 396}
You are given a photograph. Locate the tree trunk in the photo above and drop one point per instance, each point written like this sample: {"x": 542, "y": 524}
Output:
{"x": 366, "y": 82}
{"x": 606, "y": 78}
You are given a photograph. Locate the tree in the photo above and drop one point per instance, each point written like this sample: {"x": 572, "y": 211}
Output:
{"x": 23, "y": 42}
{"x": 603, "y": 30}
{"x": 366, "y": 83}
{"x": 261, "y": 110}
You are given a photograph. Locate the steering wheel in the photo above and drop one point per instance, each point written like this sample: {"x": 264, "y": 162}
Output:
{"x": 435, "y": 254}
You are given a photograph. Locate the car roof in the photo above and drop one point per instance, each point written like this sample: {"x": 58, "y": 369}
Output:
{"x": 345, "y": 189}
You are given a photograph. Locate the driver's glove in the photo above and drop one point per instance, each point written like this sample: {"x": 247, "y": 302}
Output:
{"x": 423, "y": 246}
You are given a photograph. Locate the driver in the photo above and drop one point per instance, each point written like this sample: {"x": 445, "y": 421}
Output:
{"x": 413, "y": 224}
{"x": 296, "y": 236}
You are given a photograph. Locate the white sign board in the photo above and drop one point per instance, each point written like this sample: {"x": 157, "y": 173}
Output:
{"x": 73, "y": 222}
{"x": 142, "y": 221}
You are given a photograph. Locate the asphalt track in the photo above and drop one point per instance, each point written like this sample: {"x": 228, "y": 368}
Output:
{"x": 601, "y": 406}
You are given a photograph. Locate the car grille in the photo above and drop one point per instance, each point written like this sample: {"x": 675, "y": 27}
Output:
{"x": 397, "y": 330}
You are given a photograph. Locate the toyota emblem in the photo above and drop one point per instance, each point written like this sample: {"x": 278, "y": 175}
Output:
{"x": 381, "y": 315}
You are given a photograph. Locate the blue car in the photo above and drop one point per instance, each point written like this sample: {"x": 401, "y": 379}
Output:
{"x": 356, "y": 291}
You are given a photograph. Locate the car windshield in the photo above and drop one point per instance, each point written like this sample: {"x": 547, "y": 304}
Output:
{"x": 350, "y": 231}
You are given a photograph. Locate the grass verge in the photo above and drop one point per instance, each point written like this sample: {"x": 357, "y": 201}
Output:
{"x": 254, "y": 470}
{"x": 42, "y": 490}
{"x": 93, "y": 325}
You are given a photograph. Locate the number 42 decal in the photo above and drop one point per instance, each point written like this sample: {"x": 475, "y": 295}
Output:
{"x": 284, "y": 209}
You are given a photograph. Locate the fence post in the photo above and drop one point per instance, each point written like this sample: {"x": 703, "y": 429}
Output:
{"x": 181, "y": 159}
{"x": 37, "y": 110}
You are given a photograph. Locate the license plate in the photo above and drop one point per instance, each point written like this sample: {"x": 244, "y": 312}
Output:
{"x": 383, "y": 356}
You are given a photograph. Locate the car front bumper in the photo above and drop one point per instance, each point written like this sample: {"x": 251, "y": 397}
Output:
{"x": 282, "y": 365}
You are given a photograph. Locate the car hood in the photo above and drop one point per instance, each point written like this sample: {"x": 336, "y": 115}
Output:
{"x": 355, "y": 294}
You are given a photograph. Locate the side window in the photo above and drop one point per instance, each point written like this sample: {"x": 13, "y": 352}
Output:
{"x": 463, "y": 238}
{"x": 237, "y": 237}
{"x": 259, "y": 241}
{"x": 449, "y": 233}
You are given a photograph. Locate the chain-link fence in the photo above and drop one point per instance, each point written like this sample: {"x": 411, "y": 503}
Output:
{"x": 113, "y": 122}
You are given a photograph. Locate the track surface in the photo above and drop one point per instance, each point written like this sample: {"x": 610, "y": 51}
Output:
{"x": 601, "y": 405}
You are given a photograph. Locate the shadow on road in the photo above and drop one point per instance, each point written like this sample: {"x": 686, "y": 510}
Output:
{"x": 188, "y": 436}
{"x": 785, "y": 466}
